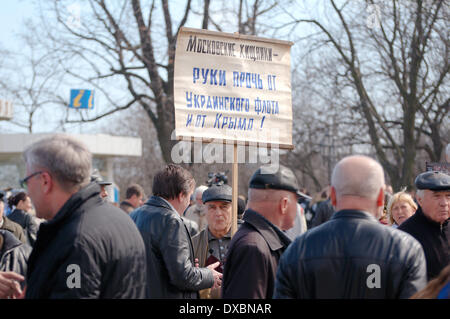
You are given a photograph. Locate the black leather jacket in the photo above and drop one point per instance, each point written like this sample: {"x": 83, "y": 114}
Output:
{"x": 90, "y": 240}
{"x": 13, "y": 254}
{"x": 171, "y": 272}
{"x": 351, "y": 256}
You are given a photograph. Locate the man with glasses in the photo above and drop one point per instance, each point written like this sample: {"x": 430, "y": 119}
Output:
{"x": 86, "y": 248}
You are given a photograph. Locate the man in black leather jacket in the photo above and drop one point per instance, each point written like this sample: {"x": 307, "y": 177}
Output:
{"x": 86, "y": 248}
{"x": 171, "y": 269}
{"x": 353, "y": 255}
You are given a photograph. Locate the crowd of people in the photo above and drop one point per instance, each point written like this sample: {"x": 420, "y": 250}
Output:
{"x": 61, "y": 238}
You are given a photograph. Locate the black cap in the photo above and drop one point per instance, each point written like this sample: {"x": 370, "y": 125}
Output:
{"x": 436, "y": 181}
{"x": 283, "y": 179}
{"x": 95, "y": 177}
{"x": 222, "y": 193}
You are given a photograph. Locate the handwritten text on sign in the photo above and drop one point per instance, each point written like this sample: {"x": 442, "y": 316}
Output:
{"x": 232, "y": 87}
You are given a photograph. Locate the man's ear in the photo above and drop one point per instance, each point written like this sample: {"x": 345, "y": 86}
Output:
{"x": 284, "y": 202}
{"x": 333, "y": 196}
{"x": 419, "y": 199}
{"x": 47, "y": 182}
{"x": 380, "y": 198}
{"x": 180, "y": 197}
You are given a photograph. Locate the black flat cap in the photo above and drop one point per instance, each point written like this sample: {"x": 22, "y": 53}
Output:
{"x": 283, "y": 179}
{"x": 99, "y": 180}
{"x": 222, "y": 193}
{"x": 436, "y": 181}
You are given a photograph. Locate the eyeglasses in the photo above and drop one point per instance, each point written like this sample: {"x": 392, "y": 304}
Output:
{"x": 23, "y": 182}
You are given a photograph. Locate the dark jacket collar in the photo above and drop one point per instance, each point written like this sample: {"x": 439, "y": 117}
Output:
{"x": 158, "y": 202}
{"x": 425, "y": 220}
{"x": 17, "y": 211}
{"x": 274, "y": 237}
{"x": 163, "y": 203}
{"x": 354, "y": 213}
{"x": 74, "y": 202}
{"x": 126, "y": 203}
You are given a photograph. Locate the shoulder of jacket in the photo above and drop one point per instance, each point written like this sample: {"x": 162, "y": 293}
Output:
{"x": 249, "y": 237}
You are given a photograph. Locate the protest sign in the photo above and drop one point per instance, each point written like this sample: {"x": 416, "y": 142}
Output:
{"x": 232, "y": 87}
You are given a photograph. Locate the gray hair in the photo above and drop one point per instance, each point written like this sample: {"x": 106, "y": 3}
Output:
{"x": 420, "y": 193}
{"x": 358, "y": 176}
{"x": 447, "y": 152}
{"x": 67, "y": 160}
{"x": 200, "y": 190}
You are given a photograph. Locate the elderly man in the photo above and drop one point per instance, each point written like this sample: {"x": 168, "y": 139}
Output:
{"x": 86, "y": 248}
{"x": 172, "y": 272}
{"x": 211, "y": 244}
{"x": 353, "y": 255}
{"x": 256, "y": 247}
{"x": 196, "y": 213}
{"x": 134, "y": 198}
{"x": 429, "y": 225}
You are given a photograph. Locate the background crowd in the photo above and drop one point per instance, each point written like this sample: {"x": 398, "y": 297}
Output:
{"x": 357, "y": 238}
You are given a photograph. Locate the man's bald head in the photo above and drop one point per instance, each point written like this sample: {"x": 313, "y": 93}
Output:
{"x": 358, "y": 176}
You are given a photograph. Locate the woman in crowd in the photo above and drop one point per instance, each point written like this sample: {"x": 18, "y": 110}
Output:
{"x": 22, "y": 215}
{"x": 401, "y": 206}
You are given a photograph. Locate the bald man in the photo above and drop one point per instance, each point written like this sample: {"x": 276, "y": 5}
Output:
{"x": 353, "y": 255}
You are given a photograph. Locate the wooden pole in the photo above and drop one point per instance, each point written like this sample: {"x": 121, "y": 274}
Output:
{"x": 235, "y": 191}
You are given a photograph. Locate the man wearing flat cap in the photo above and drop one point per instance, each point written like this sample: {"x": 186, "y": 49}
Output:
{"x": 257, "y": 246}
{"x": 96, "y": 177}
{"x": 211, "y": 244}
{"x": 429, "y": 225}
